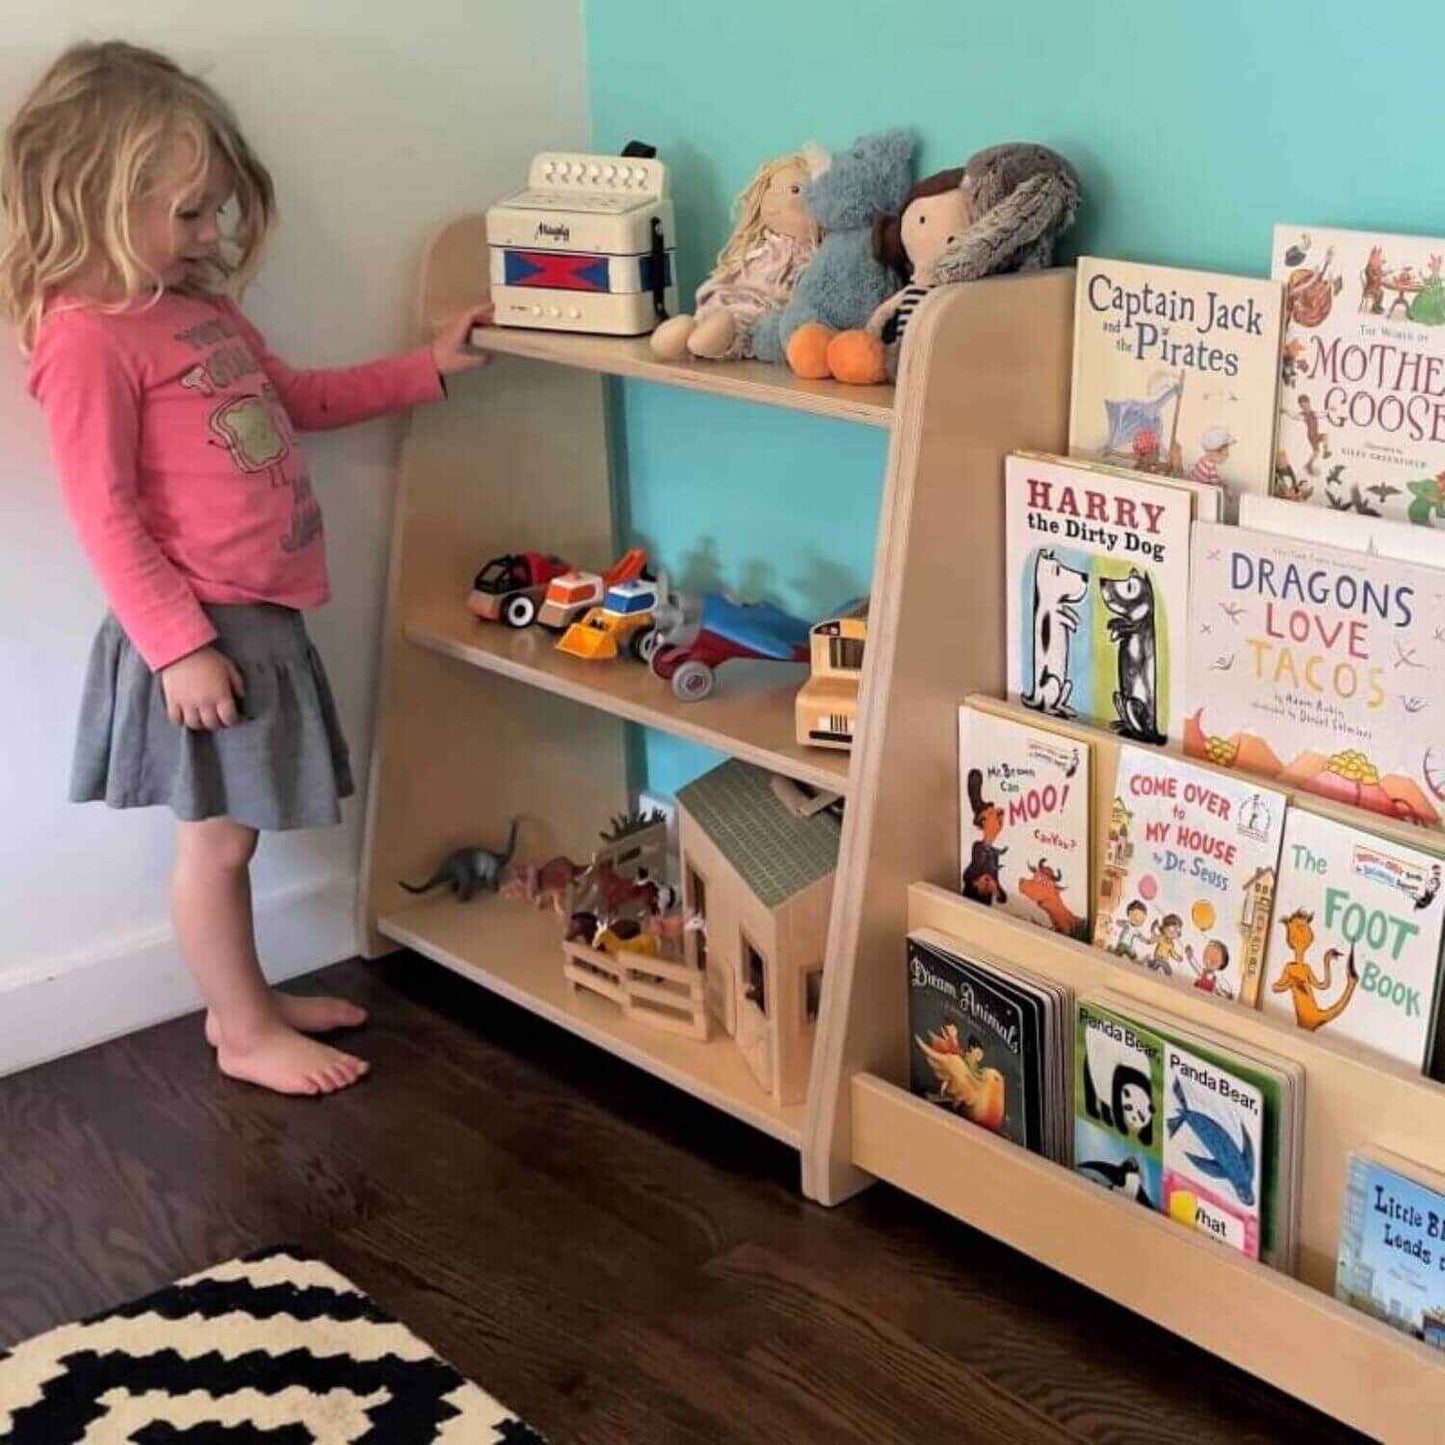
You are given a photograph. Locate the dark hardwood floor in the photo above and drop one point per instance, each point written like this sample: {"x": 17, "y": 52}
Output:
{"x": 613, "y": 1260}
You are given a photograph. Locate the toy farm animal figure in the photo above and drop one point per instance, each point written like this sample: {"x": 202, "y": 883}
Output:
{"x": 844, "y": 282}
{"x": 1002, "y": 211}
{"x": 467, "y": 869}
{"x": 1042, "y": 885}
{"x": 1297, "y": 979}
{"x": 963, "y": 1081}
{"x": 981, "y": 881}
{"x": 774, "y": 237}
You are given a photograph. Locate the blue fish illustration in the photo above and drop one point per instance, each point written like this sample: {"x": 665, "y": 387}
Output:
{"x": 1226, "y": 1160}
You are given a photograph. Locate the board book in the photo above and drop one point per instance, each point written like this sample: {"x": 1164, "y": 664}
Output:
{"x": 988, "y": 1042}
{"x": 1362, "y": 395}
{"x": 1354, "y": 950}
{"x": 1391, "y": 1261}
{"x": 1097, "y": 595}
{"x": 1188, "y": 873}
{"x": 1176, "y": 372}
{"x": 1024, "y": 811}
{"x": 1321, "y": 668}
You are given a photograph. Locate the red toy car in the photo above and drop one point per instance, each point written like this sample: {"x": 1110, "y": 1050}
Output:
{"x": 509, "y": 588}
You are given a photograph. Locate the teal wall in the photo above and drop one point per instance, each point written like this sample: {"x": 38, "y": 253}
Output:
{"x": 1195, "y": 125}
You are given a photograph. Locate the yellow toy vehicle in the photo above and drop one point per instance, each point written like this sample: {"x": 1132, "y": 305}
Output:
{"x": 827, "y": 704}
{"x": 619, "y": 625}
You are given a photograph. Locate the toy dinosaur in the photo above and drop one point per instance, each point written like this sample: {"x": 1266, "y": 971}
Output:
{"x": 467, "y": 869}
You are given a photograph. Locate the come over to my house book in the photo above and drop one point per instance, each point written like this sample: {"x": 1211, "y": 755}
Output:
{"x": 1176, "y": 372}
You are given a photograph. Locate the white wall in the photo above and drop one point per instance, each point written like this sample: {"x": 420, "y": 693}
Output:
{"x": 379, "y": 121}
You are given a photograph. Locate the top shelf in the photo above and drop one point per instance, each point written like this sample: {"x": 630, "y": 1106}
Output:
{"x": 754, "y": 381}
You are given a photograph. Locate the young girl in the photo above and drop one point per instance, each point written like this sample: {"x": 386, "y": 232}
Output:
{"x": 133, "y": 206}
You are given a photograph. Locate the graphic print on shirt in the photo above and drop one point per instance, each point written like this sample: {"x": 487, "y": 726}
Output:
{"x": 254, "y": 429}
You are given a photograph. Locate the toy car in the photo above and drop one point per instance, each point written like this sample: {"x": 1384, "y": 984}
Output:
{"x": 509, "y": 587}
{"x": 571, "y": 594}
{"x": 827, "y": 704}
{"x": 725, "y": 630}
{"x": 606, "y": 631}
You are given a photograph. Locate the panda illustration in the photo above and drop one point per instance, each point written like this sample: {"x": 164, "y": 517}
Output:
{"x": 1117, "y": 1088}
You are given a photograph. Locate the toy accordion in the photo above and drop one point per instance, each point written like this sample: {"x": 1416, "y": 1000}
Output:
{"x": 588, "y": 246}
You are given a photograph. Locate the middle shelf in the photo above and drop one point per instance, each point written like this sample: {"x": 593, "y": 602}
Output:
{"x": 750, "y": 715}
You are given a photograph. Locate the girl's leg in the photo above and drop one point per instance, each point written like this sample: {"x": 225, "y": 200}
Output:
{"x": 211, "y": 906}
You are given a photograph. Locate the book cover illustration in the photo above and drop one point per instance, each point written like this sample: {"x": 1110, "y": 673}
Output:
{"x": 1176, "y": 372}
{"x": 1355, "y": 945}
{"x": 1118, "y": 1088}
{"x": 1362, "y": 394}
{"x": 1025, "y": 821}
{"x": 1097, "y": 596}
{"x": 968, "y": 1052}
{"x": 1189, "y": 873}
{"x": 1213, "y": 1150}
{"x": 1320, "y": 667}
{"x": 1391, "y": 1261}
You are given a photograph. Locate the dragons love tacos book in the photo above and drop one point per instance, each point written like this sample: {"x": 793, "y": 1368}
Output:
{"x": 1176, "y": 372}
{"x": 1319, "y": 667}
{"x": 1189, "y": 873}
{"x": 1024, "y": 811}
{"x": 1362, "y": 393}
{"x": 1097, "y": 595}
{"x": 1354, "y": 950}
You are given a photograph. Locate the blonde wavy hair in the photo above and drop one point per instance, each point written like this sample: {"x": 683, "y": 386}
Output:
{"x": 88, "y": 142}
{"x": 749, "y": 229}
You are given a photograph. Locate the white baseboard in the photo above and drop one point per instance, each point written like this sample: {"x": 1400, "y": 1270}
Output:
{"x": 69, "y": 1004}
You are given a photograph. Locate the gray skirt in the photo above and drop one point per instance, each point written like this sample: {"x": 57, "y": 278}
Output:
{"x": 284, "y": 765}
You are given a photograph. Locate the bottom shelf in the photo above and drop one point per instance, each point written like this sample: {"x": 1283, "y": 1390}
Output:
{"x": 516, "y": 950}
{"x": 1285, "y": 1332}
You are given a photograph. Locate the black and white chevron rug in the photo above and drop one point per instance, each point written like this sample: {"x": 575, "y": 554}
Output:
{"x": 272, "y": 1349}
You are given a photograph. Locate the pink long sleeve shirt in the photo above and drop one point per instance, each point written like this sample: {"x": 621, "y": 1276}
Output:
{"x": 174, "y": 432}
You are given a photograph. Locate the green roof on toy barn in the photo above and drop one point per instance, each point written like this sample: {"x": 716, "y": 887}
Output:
{"x": 775, "y": 853}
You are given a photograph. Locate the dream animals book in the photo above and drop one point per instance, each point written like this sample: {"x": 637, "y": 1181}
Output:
{"x": 1321, "y": 668}
{"x": 1188, "y": 873}
{"x": 1354, "y": 950}
{"x": 1176, "y": 372}
{"x": 1362, "y": 394}
{"x": 1097, "y": 595}
{"x": 1024, "y": 815}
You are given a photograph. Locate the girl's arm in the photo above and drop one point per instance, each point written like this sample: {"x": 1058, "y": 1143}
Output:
{"x": 92, "y": 408}
{"x": 327, "y": 397}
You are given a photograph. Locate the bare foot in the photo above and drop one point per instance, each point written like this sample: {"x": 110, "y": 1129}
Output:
{"x": 319, "y": 1015}
{"x": 289, "y": 1063}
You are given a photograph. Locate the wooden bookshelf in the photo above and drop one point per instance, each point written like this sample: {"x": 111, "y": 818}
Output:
{"x": 515, "y": 950}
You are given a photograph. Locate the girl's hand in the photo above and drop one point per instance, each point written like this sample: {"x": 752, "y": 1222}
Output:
{"x": 201, "y": 690}
{"x": 450, "y": 350}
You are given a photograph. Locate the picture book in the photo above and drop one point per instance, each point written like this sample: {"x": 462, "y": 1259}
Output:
{"x": 1213, "y": 1149}
{"x": 1379, "y": 536}
{"x": 1118, "y": 1097}
{"x": 1355, "y": 945}
{"x": 1097, "y": 596}
{"x": 1362, "y": 394}
{"x": 1391, "y": 1261}
{"x": 973, "y": 1046}
{"x": 1208, "y": 498}
{"x": 1176, "y": 372}
{"x": 1319, "y": 667}
{"x": 1189, "y": 873}
{"x": 1024, "y": 811}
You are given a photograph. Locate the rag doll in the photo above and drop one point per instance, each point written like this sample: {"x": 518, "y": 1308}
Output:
{"x": 773, "y": 239}
{"x": 1002, "y": 212}
{"x": 844, "y": 282}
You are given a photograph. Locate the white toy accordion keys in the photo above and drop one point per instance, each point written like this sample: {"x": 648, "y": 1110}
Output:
{"x": 588, "y": 246}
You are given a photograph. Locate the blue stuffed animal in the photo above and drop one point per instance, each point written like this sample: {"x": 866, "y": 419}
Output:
{"x": 842, "y": 285}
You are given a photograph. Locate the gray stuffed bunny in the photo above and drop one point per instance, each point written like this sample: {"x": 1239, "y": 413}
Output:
{"x": 1017, "y": 200}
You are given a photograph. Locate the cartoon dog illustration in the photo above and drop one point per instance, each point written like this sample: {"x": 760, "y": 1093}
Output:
{"x": 1130, "y": 601}
{"x": 1056, "y": 590}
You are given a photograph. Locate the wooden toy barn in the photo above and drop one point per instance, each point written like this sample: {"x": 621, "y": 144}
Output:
{"x": 760, "y": 878}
